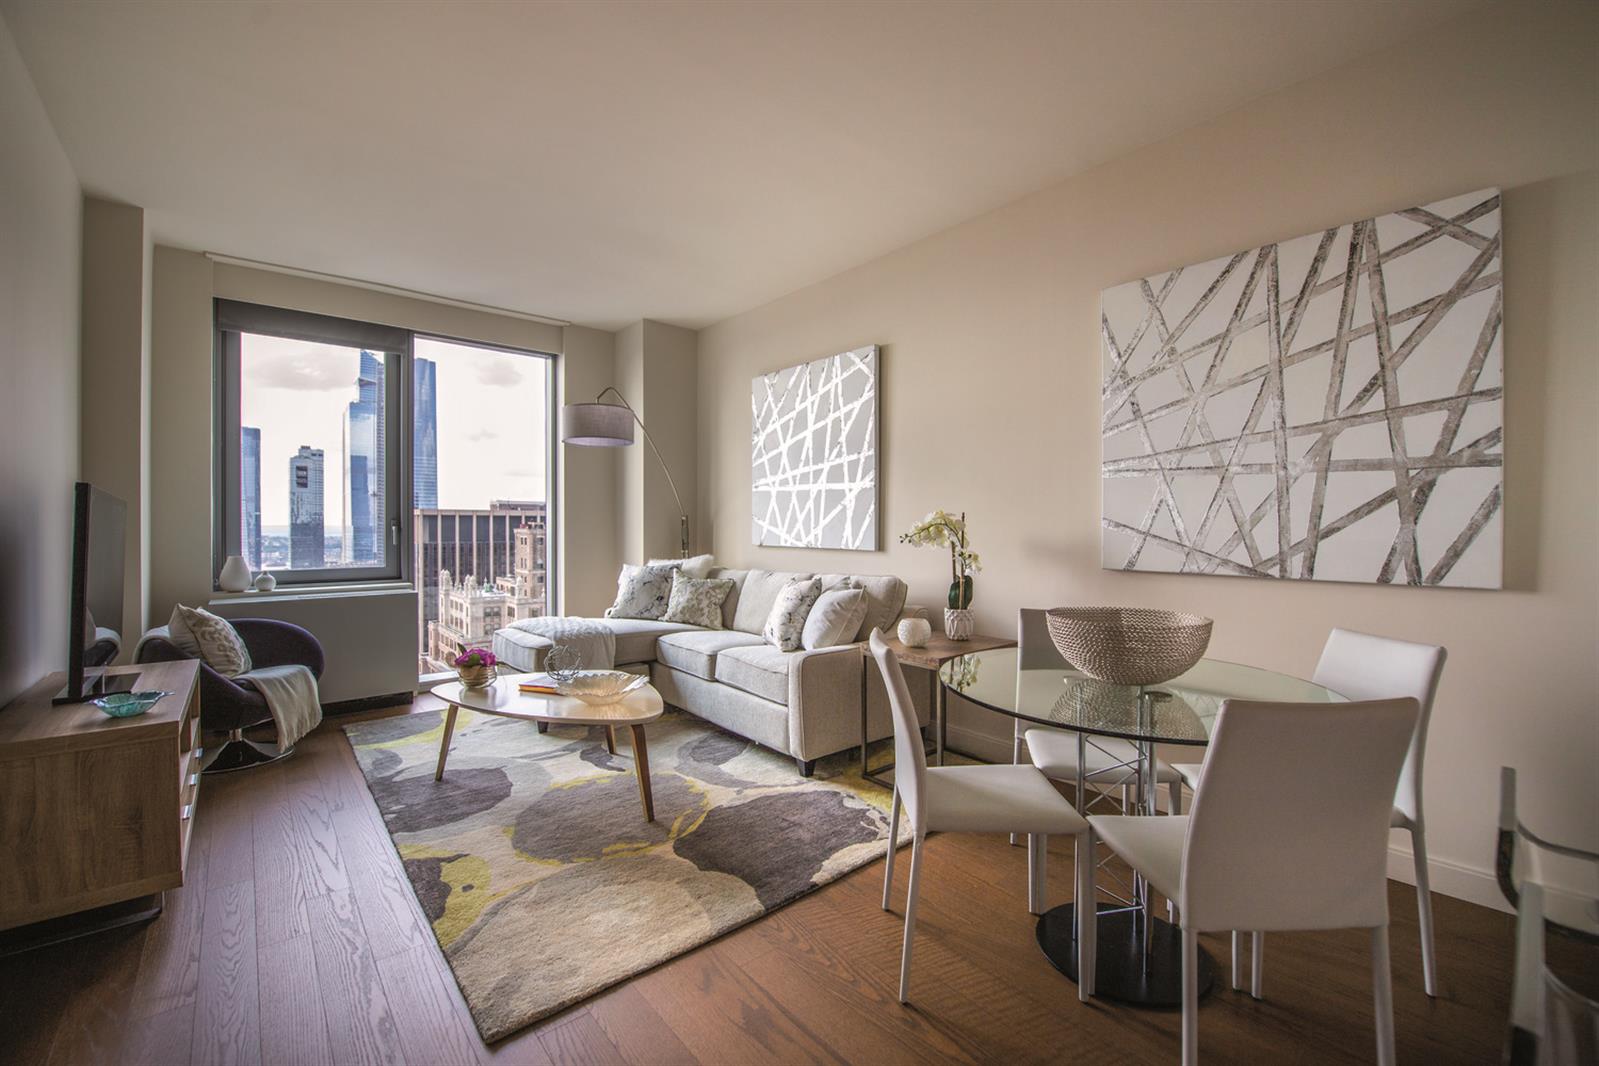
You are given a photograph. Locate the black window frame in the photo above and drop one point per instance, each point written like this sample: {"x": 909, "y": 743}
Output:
{"x": 231, "y": 319}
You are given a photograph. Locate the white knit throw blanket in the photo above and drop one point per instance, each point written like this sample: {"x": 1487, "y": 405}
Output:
{"x": 291, "y": 695}
{"x": 594, "y": 642}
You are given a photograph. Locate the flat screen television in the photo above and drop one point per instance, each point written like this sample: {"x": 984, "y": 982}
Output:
{"x": 99, "y": 527}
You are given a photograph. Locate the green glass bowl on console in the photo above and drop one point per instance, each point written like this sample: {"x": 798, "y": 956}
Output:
{"x": 129, "y": 704}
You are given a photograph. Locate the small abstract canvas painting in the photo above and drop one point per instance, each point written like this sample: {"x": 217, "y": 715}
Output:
{"x": 1326, "y": 408}
{"x": 813, "y": 453}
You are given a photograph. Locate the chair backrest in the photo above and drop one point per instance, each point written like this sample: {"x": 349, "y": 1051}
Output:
{"x": 910, "y": 764}
{"x": 1289, "y": 828}
{"x": 1035, "y": 650}
{"x": 1366, "y": 667}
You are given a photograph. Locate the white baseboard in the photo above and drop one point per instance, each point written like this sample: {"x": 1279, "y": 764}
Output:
{"x": 1447, "y": 878}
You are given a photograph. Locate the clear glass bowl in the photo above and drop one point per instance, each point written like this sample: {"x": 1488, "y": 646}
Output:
{"x": 599, "y": 687}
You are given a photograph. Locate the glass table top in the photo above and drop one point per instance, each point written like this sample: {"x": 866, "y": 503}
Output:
{"x": 1180, "y": 711}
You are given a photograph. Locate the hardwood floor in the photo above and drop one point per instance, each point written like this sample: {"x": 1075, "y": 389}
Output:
{"x": 297, "y": 939}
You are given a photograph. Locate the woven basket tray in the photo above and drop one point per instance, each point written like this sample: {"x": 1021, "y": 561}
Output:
{"x": 1129, "y": 645}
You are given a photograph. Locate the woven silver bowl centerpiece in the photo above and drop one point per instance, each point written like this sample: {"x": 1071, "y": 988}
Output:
{"x": 1129, "y": 645}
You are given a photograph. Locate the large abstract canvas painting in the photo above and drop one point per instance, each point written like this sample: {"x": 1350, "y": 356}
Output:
{"x": 1325, "y": 408}
{"x": 814, "y": 453}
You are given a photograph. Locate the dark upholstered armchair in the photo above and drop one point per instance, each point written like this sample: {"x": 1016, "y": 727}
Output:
{"x": 228, "y": 706}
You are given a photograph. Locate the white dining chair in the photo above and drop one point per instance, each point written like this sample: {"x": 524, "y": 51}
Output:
{"x": 1106, "y": 761}
{"x": 968, "y": 799}
{"x": 1361, "y": 666}
{"x": 1263, "y": 848}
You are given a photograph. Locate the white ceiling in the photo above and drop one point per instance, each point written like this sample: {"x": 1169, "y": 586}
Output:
{"x": 603, "y": 162}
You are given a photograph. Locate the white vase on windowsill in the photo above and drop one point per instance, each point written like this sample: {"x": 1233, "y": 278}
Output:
{"x": 235, "y": 575}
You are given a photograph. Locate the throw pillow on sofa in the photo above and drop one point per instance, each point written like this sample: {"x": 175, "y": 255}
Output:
{"x": 642, "y": 592}
{"x": 209, "y": 638}
{"x": 694, "y": 566}
{"x": 697, "y": 601}
{"x": 835, "y": 619}
{"x": 785, "y": 626}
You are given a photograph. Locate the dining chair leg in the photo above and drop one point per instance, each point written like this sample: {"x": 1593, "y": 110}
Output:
{"x": 1016, "y": 760}
{"x": 1429, "y": 958}
{"x": 1257, "y": 963}
{"x": 1037, "y": 871}
{"x": 1238, "y": 980}
{"x": 1086, "y": 913}
{"x": 893, "y": 847}
{"x": 1190, "y": 998}
{"x": 910, "y": 921}
{"x": 1383, "y": 995}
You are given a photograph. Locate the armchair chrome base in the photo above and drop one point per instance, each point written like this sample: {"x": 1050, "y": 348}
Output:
{"x": 241, "y": 754}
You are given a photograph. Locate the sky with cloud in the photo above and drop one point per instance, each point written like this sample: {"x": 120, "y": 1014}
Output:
{"x": 493, "y": 436}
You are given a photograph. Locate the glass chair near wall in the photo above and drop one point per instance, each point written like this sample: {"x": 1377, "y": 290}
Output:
{"x": 1554, "y": 1015}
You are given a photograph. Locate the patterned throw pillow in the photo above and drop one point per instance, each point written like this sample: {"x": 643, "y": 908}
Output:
{"x": 210, "y": 638}
{"x": 697, "y": 601}
{"x": 785, "y": 626}
{"x": 641, "y": 592}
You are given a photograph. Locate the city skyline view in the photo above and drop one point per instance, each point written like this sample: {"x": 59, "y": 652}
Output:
{"x": 489, "y": 407}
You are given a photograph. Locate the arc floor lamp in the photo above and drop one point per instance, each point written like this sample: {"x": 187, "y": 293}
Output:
{"x": 609, "y": 425}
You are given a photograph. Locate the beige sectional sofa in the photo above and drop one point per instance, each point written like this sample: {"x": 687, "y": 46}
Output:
{"x": 804, "y": 703}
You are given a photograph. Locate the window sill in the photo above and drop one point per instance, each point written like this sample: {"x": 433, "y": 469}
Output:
{"x": 290, "y": 593}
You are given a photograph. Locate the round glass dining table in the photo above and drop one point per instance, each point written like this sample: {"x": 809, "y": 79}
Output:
{"x": 1118, "y": 727}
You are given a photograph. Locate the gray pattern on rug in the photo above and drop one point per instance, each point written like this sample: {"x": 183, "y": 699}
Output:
{"x": 543, "y": 882}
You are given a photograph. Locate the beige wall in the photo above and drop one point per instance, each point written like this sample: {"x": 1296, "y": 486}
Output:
{"x": 114, "y": 403}
{"x": 181, "y": 482}
{"x": 40, "y": 219}
{"x": 588, "y": 483}
{"x": 991, "y": 382}
{"x": 656, "y": 369}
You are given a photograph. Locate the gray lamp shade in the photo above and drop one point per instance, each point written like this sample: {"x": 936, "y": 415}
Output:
{"x": 603, "y": 425}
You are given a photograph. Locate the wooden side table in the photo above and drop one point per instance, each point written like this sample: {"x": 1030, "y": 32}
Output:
{"x": 938, "y": 650}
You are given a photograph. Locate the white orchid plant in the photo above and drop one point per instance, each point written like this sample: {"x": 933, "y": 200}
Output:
{"x": 940, "y": 529}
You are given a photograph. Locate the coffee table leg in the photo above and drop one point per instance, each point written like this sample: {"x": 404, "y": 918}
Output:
{"x": 641, "y": 765}
{"x": 544, "y": 727}
{"x": 444, "y": 747}
{"x": 610, "y": 739}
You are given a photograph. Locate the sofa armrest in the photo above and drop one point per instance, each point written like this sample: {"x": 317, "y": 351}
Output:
{"x": 824, "y": 700}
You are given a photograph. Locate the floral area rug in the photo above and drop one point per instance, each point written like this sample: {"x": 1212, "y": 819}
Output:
{"x": 543, "y": 882}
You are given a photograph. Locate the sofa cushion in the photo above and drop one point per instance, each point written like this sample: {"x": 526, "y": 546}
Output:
{"x": 635, "y": 637}
{"x": 641, "y": 592}
{"x": 885, "y": 599}
{"x": 785, "y": 626}
{"x": 697, "y": 601}
{"x": 695, "y": 652}
{"x": 756, "y": 598}
{"x": 698, "y": 566}
{"x": 730, "y": 605}
{"x": 760, "y": 669}
{"x": 835, "y": 619}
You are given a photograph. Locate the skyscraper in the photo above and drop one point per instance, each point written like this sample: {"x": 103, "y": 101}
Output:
{"x": 364, "y": 468}
{"x": 250, "y": 495}
{"x": 305, "y": 509}
{"x": 425, "y": 436}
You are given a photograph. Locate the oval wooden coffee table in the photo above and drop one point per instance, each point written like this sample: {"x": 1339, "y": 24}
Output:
{"x": 505, "y": 699}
